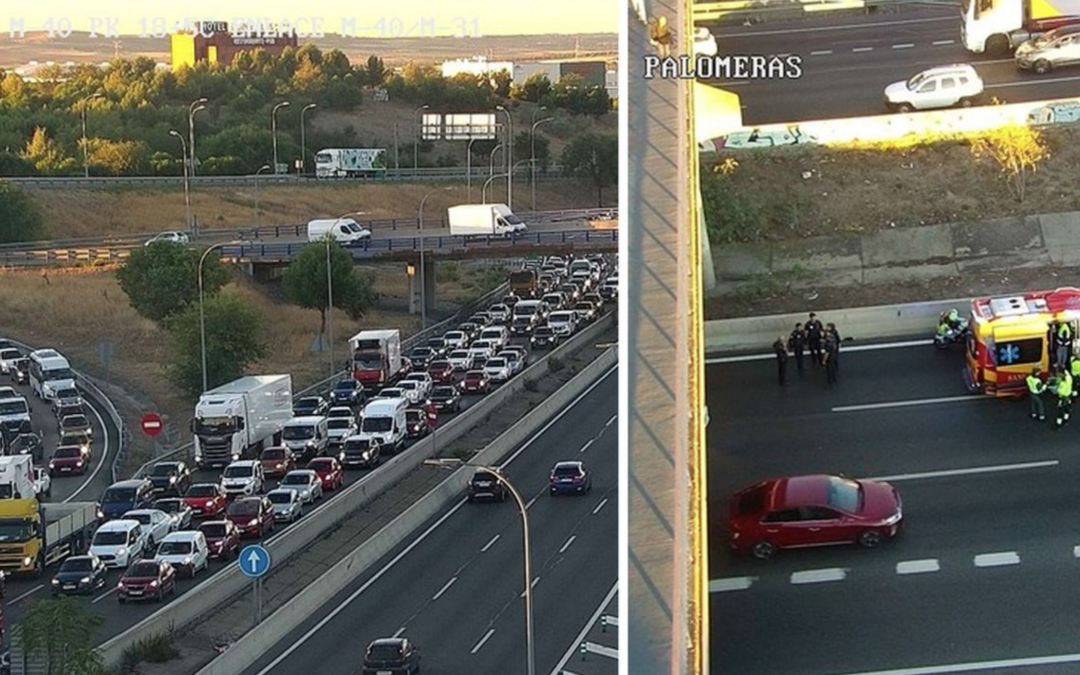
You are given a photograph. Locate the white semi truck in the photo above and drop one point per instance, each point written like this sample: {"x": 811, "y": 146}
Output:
{"x": 350, "y": 162}
{"x": 491, "y": 220}
{"x": 238, "y": 419}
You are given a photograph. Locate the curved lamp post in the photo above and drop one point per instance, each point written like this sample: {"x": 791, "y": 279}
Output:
{"x": 85, "y": 163}
{"x": 187, "y": 198}
{"x": 303, "y": 139}
{"x": 196, "y": 106}
{"x": 509, "y": 156}
{"x": 273, "y": 129}
{"x": 532, "y": 143}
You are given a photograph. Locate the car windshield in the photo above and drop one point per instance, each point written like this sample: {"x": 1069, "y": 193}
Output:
{"x": 243, "y": 507}
{"x": 174, "y": 548}
{"x": 376, "y": 424}
{"x": 142, "y": 570}
{"x": 74, "y": 421}
{"x": 455, "y": 336}
{"x": 280, "y": 497}
{"x": 421, "y": 352}
{"x": 496, "y": 363}
{"x": 64, "y": 453}
{"x": 564, "y": 471}
{"x": 542, "y": 332}
{"x": 119, "y": 495}
{"x": 213, "y": 530}
{"x": 16, "y": 531}
{"x": 77, "y": 565}
{"x": 237, "y": 472}
{"x": 474, "y": 375}
{"x": 345, "y": 387}
{"x": 297, "y": 433}
{"x": 110, "y": 538}
{"x": 459, "y": 354}
{"x": 440, "y": 365}
{"x": 339, "y": 423}
{"x": 308, "y": 403}
{"x": 162, "y": 470}
{"x": 274, "y": 453}
{"x": 16, "y": 406}
{"x": 409, "y": 385}
{"x": 443, "y": 392}
{"x": 295, "y": 479}
{"x": 483, "y": 476}
{"x": 67, "y": 394}
{"x": 143, "y": 518}
{"x": 384, "y": 652}
{"x": 844, "y": 494}
{"x": 320, "y": 465}
{"x": 168, "y": 505}
{"x": 202, "y": 491}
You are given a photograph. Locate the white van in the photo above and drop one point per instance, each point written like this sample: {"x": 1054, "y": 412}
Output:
{"x": 497, "y": 335}
{"x": 384, "y": 419}
{"x": 345, "y": 231}
{"x": 118, "y": 543}
{"x": 307, "y": 436}
{"x": 563, "y": 322}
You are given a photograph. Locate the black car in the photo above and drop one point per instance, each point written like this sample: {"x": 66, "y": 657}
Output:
{"x": 438, "y": 346}
{"x": 391, "y": 655}
{"x": 446, "y": 399}
{"x": 20, "y": 371}
{"x": 485, "y": 485}
{"x": 310, "y": 405}
{"x": 359, "y": 452}
{"x": 347, "y": 392}
{"x": 471, "y": 329}
{"x": 170, "y": 477}
{"x": 25, "y": 444}
{"x": 522, "y": 325}
{"x": 544, "y": 337}
{"x": 79, "y": 574}
{"x": 420, "y": 357}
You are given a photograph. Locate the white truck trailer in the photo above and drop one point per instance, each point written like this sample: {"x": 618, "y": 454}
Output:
{"x": 237, "y": 419}
{"x": 490, "y": 220}
{"x": 350, "y": 162}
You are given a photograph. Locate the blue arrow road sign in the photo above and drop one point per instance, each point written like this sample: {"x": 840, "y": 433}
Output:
{"x": 254, "y": 561}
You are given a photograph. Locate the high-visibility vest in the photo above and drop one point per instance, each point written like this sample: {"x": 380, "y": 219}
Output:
{"x": 1064, "y": 332}
{"x": 1035, "y": 385}
{"x": 1065, "y": 385}
{"x": 1075, "y": 367}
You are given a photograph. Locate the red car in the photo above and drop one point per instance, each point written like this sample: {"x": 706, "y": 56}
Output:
{"x": 417, "y": 423}
{"x": 68, "y": 459}
{"x": 222, "y": 538}
{"x": 277, "y": 461}
{"x": 815, "y": 510}
{"x": 254, "y": 516}
{"x": 147, "y": 579}
{"x": 329, "y": 471}
{"x": 441, "y": 371}
{"x": 206, "y": 499}
{"x": 475, "y": 382}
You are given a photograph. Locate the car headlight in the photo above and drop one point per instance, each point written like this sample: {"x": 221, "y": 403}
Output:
{"x": 122, "y": 552}
{"x": 78, "y": 463}
{"x": 55, "y": 582}
{"x": 154, "y": 583}
{"x": 279, "y": 466}
{"x": 84, "y": 580}
{"x": 52, "y": 464}
{"x": 187, "y": 560}
{"x": 893, "y": 519}
{"x": 253, "y": 522}
{"x": 172, "y": 479}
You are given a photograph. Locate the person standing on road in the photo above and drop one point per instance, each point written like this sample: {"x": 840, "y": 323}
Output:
{"x": 1064, "y": 344}
{"x": 1036, "y": 387}
{"x": 660, "y": 35}
{"x": 832, "y": 350}
{"x": 813, "y": 338}
{"x": 830, "y": 330}
{"x": 797, "y": 345}
{"x": 781, "y": 359}
{"x": 1064, "y": 392}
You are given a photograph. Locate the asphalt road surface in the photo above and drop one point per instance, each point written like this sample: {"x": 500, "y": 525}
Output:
{"x": 985, "y": 570}
{"x": 847, "y": 63}
{"x": 456, "y": 590}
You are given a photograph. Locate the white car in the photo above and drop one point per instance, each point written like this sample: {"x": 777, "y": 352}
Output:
{"x": 460, "y": 359}
{"x": 514, "y": 358}
{"x": 243, "y": 478}
{"x": 390, "y": 392}
{"x": 482, "y": 349}
{"x": 171, "y": 237}
{"x": 340, "y": 411}
{"x": 306, "y": 483}
{"x": 340, "y": 428}
{"x": 412, "y": 391}
{"x": 288, "y": 505}
{"x": 186, "y": 551}
{"x": 42, "y": 482}
{"x": 456, "y": 339}
{"x": 499, "y": 313}
{"x": 8, "y": 357}
{"x": 941, "y": 87}
{"x": 498, "y": 369}
{"x": 704, "y": 42}
{"x": 155, "y": 523}
{"x": 424, "y": 379}
{"x": 119, "y": 543}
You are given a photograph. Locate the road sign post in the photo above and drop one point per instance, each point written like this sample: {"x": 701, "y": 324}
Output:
{"x": 254, "y": 561}
{"x": 151, "y": 425}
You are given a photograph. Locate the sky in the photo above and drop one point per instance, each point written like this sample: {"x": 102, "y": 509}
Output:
{"x": 357, "y": 18}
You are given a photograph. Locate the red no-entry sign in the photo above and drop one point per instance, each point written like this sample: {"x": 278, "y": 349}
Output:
{"x": 151, "y": 424}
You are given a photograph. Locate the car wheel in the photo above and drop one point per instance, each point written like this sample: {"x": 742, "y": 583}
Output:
{"x": 869, "y": 538}
{"x": 1042, "y": 66}
{"x": 966, "y": 102}
{"x": 762, "y": 550}
{"x": 904, "y": 108}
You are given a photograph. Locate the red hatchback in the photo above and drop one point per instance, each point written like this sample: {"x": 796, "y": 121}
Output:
{"x": 67, "y": 459}
{"x": 222, "y": 538}
{"x": 206, "y": 499}
{"x": 147, "y": 579}
{"x": 475, "y": 382}
{"x": 441, "y": 371}
{"x": 329, "y": 470}
{"x": 816, "y": 510}
{"x": 254, "y": 516}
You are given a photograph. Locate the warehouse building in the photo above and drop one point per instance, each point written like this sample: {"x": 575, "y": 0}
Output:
{"x": 213, "y": 42}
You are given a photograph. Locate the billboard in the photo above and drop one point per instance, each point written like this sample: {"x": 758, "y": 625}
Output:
{"x": 459, "y": 127}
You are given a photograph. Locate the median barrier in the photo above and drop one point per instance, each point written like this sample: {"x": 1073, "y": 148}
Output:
{"x": 863, "y": 323}
{"x": 203, "y": 599}
{"x": 275, "y": 628}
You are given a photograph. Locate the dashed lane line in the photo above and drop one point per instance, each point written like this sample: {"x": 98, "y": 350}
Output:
{"x": 918, "y": 566}
{"x": 909, "y": 403}
{"x": 444, "y": 588}
{"x": 731, "y": 584}
{"x": 490, "y": 543}
{"x": 997, "y": 559}
{"x": 821, "y": 52}
{"x": 487, "y": 636}
{"x": 906, "y": 45}
{"x": 599, "y": 506}
{"x": 1004, "y": 664}
{"x": 586, "y": 446}
{"x": 567, "y": 544}
{"x": 819, "y": 576}
{"x": 994, "y": 468}
{"x": 859, "y": 50}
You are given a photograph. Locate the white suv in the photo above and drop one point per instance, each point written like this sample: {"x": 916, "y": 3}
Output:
{"x": 941, "y": 87}
{"x": 243, "y": 478}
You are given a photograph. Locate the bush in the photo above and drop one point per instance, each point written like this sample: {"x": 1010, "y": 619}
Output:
{"x": 555, "y": 364}
{"x": 157, "y": 648}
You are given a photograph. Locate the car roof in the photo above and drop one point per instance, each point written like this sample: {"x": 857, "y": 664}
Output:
{"x": 306, "y": 472}
{"x": 120, "y": 525}
{"x": 388, "y": 642}
{"x": 243, "y": 462}
{"x": 142, "y": 511}
{"x": 183, "y": 535}
{"x": 129, "y": 483}
{"x": 796, "y": 491}
{"x": 306, "y": 419}
{"x": 280, "y": 491}
{"x": 574, "y": 464}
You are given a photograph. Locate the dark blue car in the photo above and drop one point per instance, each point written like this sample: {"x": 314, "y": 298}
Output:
{"x": 127, "y": 495}
{"x": 347, "y": 392}
{"x": 570, "y": 477}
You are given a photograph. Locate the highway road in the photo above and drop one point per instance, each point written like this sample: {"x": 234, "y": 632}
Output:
{"x": 985, "y": 569}
{"x": 848, "y": 61}
{"x": 456, "y": 589}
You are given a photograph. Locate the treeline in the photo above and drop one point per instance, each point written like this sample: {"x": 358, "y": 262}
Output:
{"x": 131, "y": 106}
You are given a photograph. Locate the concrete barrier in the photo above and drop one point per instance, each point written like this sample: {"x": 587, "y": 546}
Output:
{"x": 278, "y": 625}
{"x": 201, "y": 600}
{"x": 863, "y": 323}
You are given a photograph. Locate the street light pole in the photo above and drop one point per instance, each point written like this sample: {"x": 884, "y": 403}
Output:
{"x": 529, "y": 646}
{"x": 187, "y": 198}
{"x": 330, "y": 304}
{"x": 195, "y": 107}
{"x": 532, "y": 153}
{"x": 491, "y": 159}
{"x": 264, "y": 167}
{"x": 202, "y": 311}
{"x": 483, "y": 192}
{"x": 468, "y": 167}
{"x": 273, "y": 129}
{"x": 416, "y": 136}
{"x": 303, "y": 140}
{"x": 509, "y": 156}
{"x": 85, "y": 163}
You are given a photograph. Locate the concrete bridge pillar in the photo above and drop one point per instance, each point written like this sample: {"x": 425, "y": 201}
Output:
{"x": 414, "y": 285}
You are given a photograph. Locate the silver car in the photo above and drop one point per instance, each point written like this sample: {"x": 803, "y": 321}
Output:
{"x": 288, "y": 506}
{"x": 1053, "y": 49}
{"x": 305, "y": 482}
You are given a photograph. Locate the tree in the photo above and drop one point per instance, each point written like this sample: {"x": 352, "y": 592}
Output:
{"x": 161, "y": 279}
{"x": 593, "y": 158}
{"x": 20, "y": 216}
{"x": 376, "y": 71}
{"x": 1017, "y": 150}
{"x": 305, "y": 282}
{"x": 232, "y": 342}
{"x": 60, "y": 631}
{"x": 46, "y": 153}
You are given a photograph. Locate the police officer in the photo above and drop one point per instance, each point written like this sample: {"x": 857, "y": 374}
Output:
{"x": 1064, "y": 343}
{"x": 781, "y": 358}
{"x": 1064, "y": 392}
{"x": 832, "y": 354}
{"x": 797, "y": 345}
{"x": 1074, "y": 370}
{"x": 1036, "y": 387}
{"x": 831, "y": 332}
{"x": 813, "y": 338}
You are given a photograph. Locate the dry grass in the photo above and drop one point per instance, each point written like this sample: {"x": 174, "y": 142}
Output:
{"x": 93, "y": 213}
{"x": 866, "y": 190}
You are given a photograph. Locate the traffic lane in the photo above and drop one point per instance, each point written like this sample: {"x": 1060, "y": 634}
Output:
{"x": 940, "y": 23}
{"x": 431, "y": 232}
{"x": 864, "y": 623}
{"x": 407, "y": 586}
{"x": 949, "y": 519}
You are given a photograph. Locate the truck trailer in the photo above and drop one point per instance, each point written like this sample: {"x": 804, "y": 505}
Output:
{"x": 376, "y": 358}
{"x": 236, "y": 420}
{"x": 490, "y": 220}
{"x": 350, "y": 163}
{"x": 997, "y": 27}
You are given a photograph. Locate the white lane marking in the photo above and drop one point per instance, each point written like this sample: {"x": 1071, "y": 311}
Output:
{"x": 906, "y": 45}
{"x": 611, "y": 421}
{"x": 416, "y": 542}
{"x": 528, "y": 504}
{"x": 567, "y": 544}
{"x": 533, "y": 585}
{"x": 845, "y": 349}
{"x": 399, "y": 632}
{"x": 918, "y": 566}
{"x": 586, "y": 446}
{"x": 857, "y": 50}
{"x": 594, "y": 648}
{"x": 819, "y": 576}
{"x": 103, "y": 596}
{"x": 907, "y": 404}
{"x": 821, "y": 52}
{"x": 27, "y": 594}
{"x": 490, "y": 543}
{"x": 1004, "y": 664}
{"x": 484, "y": 639}
{"x": 1026, "y": 83}
{"x": 942, "y": 43}
{"x": 101, "y": 461}
{"x": 576, "y": 644}
{"x": 600, "y": 506}
{"x": 731, "y": 584}
{"x": 997, "y": 559}
{"x": 1076, "y": 551}
{"x": 970, "y": 471}
{"x": 443, "y": 589}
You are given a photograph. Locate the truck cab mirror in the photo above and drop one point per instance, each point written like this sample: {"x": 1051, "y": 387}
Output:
{"x": 240, "y": 423}
{"x": 191, "y": 425}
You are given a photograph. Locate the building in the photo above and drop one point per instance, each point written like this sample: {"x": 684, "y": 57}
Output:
{"x": 475, "y": 66}
{"x": 593, "y": 71}
{"x": 213, "y": 42}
